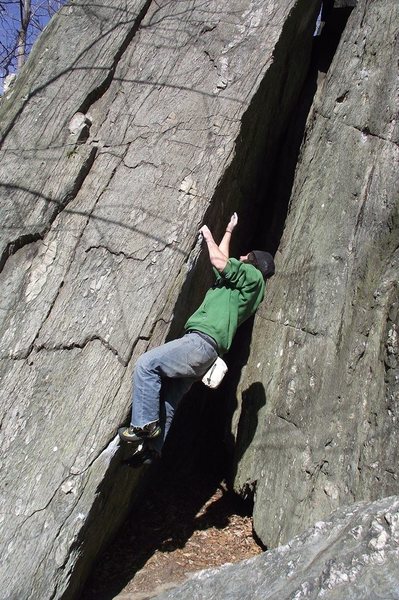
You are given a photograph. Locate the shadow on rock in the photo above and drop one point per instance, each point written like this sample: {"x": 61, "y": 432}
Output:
{"x": 174, "y": 506}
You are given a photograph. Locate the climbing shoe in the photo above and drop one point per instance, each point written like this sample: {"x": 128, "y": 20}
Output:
{"x": 138, "y": 434}
{"x": 143, "y": 455}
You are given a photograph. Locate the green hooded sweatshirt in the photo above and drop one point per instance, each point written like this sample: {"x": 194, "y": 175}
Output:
{"x": 234, "y": 297}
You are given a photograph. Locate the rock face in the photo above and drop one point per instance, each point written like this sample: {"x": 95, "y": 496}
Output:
{"x": 318, "y": 426}
{"x": 353, "y": 555}
{"x": 128, "y": 124}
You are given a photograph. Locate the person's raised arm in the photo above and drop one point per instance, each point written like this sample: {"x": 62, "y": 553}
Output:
{"x": 216, "y": 256}
{"x": 224, "y": 245}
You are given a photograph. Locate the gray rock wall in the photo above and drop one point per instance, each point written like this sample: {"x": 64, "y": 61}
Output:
{"x": 128, "y": 124}
{"x": 323, "y": 365}
{"x": 353, "y": 554}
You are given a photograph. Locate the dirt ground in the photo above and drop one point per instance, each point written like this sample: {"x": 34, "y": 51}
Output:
{"x": 184, "y": 523}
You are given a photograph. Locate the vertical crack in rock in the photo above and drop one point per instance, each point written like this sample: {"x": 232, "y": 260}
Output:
{"x": 97, "y": 92}
{"x": 100, "y": 90}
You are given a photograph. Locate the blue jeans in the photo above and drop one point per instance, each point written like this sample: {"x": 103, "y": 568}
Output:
{"x": 182, "y": 362}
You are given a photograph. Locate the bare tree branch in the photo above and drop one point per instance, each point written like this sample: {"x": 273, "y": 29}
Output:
{"x": 21, "y": 21}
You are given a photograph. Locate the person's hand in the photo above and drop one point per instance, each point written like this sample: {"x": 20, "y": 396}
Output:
{"x": 205, "y": 232}
{"x": 232, "y": 223}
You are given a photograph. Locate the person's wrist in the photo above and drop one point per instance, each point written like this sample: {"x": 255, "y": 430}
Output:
{"x": 229, "y": 230}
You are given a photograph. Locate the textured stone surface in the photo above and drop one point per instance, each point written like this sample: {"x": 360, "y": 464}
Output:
{"x": 129, "y": 122}
{"x": 323, "y": 369}
{"x": 352, "y": 555}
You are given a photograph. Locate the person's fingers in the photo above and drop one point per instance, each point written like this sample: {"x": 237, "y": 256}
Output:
{"x": 234, "y": 219}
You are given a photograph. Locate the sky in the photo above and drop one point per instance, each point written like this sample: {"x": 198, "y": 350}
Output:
{"x": 42, "y": 10}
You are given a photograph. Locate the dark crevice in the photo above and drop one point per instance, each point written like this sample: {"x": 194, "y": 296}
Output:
{"x": 201, "y": 433}
{"x": 275, "y": 192}
{"x": 274, "y": 186}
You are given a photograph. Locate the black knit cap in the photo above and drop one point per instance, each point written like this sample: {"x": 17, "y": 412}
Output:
{"x": 264, "y": 262}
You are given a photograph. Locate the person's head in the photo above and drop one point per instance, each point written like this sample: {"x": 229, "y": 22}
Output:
{"x": 261, "y": 260}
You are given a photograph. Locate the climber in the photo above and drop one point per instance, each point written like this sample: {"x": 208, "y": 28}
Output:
{"x": 235, "y": 296}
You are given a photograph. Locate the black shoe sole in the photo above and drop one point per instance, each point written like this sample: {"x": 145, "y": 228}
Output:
{"x": 144, "y": 458}
{"x": 138, "y": 440}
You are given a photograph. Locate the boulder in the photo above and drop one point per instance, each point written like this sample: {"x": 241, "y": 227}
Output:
{"x": 317, "y": 422}
{"x": 353, "y": 554}
{"x": 128, "y": 124}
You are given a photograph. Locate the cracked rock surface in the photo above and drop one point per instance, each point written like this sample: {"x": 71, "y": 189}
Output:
{"x": 318, "y": 425}
{"x": 353, "y": 554}
{"x": 129, "y": 123}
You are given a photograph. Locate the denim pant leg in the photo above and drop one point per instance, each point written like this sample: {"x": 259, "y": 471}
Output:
{"x": 172, "y": 393}
{"x": 187, "y": 357}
